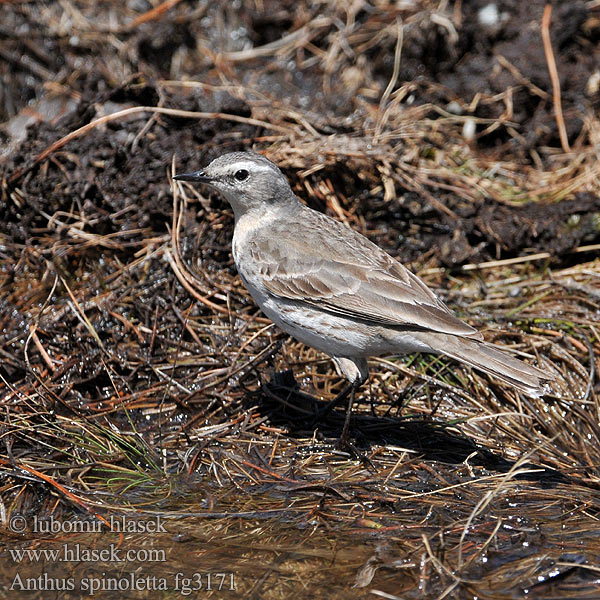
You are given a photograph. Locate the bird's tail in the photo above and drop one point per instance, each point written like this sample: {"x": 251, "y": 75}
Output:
{"x": 487, "y": 358}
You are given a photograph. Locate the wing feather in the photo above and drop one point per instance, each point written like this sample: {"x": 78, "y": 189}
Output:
{"x": 342, "y": 272}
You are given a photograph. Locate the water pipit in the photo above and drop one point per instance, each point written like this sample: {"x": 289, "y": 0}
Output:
{"x": 333, "y": 289}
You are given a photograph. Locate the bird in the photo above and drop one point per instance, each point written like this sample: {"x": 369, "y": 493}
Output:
{"x": 333, "y": 289}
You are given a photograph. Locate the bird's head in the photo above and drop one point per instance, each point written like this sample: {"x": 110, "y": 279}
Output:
{"x": 247, "y": 180}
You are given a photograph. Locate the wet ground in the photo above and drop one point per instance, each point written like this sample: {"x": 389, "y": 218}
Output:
{"x": 229, "y": 544}
{"x": 142, "y": 389}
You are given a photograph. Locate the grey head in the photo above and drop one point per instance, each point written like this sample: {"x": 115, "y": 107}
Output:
{"x": 248, "y": 181}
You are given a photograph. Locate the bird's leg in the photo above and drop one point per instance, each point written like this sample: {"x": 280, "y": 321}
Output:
{"x": 349, "y": 389}
{"x": 344, "y": 441}
{"x": 356, "y": 371}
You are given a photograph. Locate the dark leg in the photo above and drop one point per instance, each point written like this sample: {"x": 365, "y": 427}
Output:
{"x": 356, "y": 371}
{"x": 344, "y": 441}
{"x": 349, "y": 389}
{"x": 350, "y": 393}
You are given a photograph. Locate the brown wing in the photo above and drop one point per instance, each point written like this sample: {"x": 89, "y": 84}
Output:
{"x": 332, "y": 267}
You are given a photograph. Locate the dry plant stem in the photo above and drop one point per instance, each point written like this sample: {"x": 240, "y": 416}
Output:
{"x": 394, "y": 79}
{"x": 299, "y": 38}
{"x": 534, "y": 89}
{"x": 487, "y": 498}
{"x": 38, "y": 344}
{"x": 562, "y": 131}
{"x": 153, "y": 13}
{"x": 80, "y": 314}
{"x": 174, "y": 257}
{"x": 59, "y": 488}
{"x": 510, "y": 261}
{"x": 186, "y": 114}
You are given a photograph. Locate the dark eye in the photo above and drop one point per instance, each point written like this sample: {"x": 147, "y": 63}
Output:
{"x": 241, "y": 175}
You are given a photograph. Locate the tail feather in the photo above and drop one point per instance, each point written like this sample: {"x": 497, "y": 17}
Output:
{"x": 487, "y": 358}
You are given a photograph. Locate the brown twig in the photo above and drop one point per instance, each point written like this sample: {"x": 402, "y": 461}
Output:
{"x": 153, "y": 13}
{"x": 560, "y": 122}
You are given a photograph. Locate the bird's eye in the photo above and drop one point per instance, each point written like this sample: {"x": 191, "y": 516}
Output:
{"x": 241, "y": 175}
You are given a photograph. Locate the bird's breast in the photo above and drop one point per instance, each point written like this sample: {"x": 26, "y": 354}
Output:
{"x": 246, "y": 227}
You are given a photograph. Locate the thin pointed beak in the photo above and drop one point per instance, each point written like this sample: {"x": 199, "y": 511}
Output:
{"x": 196, "y": 176}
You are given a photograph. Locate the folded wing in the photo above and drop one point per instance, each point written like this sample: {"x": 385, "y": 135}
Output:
{"x": 335, "y": 269}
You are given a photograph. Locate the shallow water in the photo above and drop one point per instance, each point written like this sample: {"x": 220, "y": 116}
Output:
{"x": 291, "y": 542}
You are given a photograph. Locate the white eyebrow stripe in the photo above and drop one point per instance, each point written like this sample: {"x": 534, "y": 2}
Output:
{"x": 251, "y": 166}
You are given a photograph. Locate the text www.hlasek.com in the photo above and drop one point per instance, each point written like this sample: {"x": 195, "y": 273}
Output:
{"x": 77, "y": 553}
